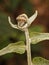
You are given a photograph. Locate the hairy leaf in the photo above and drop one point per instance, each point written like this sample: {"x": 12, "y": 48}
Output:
{"x": 35, "y": 28}
{"x": 18, "y": 47}
{"x": 39, "y": 37}
{"x": 40, "y": 61}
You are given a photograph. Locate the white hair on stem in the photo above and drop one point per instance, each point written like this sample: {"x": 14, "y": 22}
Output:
{"x": 28, "y": 23}
{"x": 32, "y": 18}
{"x": 12, "y": 25}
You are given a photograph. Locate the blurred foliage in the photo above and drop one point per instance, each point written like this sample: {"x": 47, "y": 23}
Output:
{"x": 9, "y": 35}
{"x": 10, "y": 5}
{"x": 1, "y": 1}
{"x": 29, "y": 10}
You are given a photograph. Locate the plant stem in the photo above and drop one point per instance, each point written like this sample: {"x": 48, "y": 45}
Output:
{"x": 28, "y": 48}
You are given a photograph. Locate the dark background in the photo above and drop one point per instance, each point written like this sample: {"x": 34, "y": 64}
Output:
{"x": 8, "y": 35}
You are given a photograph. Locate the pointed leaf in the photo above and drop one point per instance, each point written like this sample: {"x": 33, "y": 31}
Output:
{"x": 40, "y": 61}
{"x": 35, "y": 28}
{"x": 18, "y": 47}
{"x": 39, "y": 37}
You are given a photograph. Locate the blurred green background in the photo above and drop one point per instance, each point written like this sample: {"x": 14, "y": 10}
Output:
{"x": 9, "y": 35}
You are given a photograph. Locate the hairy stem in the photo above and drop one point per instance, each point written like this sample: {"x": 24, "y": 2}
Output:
{"x": 28, "y": 48}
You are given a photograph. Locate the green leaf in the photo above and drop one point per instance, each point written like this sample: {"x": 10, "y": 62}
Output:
{"x": 39, "y": 37}
{"x": 40, "y": 61}
{"x": 35, "y": 28}
{"x": 17, "y": 47}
